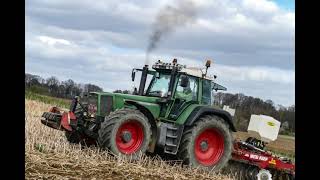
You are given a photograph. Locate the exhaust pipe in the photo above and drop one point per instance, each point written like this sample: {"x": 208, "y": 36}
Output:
{"x": 143, "y": 79}
{"x": 173, "y": 77}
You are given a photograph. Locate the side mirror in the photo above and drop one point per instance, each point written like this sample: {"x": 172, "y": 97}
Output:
{"x": 184, "y": 81}
{"x": 133, "y": 74}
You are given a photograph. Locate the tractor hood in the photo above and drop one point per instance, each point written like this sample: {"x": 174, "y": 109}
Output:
{"x": 107, "y": 102}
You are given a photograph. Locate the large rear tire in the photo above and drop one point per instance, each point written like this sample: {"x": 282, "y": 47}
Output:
{"x": 125, "y": 131}
{"x": 207, "y": 144}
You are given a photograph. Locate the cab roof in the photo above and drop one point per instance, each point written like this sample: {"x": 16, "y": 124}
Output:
{"x": 192, "y": 71}
{"x": 197, "y": 72}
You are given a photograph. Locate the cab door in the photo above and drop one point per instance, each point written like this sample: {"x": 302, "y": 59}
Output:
{"x": 184, "y": 95}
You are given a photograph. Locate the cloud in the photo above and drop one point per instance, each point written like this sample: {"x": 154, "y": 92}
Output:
{"x": 260, "y": 6}
{"x": 251, "y": 42}
{"x": 262, "y": 74}
{"x": 52, "y": 41}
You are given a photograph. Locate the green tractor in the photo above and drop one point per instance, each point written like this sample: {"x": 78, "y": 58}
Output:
{"x": 173, "y": 115}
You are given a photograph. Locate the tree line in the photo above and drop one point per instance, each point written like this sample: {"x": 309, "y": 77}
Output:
{"x": 53, "y": 87}
{"x": 247, "y": 105}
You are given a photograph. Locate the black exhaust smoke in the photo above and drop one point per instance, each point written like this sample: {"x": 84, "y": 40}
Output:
{"x": 168, "y": 19}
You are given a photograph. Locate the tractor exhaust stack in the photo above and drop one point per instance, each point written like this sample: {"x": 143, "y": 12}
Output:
{"x": 172, "y": 77}
{"x": 143, "y": 79}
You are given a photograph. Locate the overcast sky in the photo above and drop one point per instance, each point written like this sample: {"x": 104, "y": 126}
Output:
{"x": 250, "y": 41}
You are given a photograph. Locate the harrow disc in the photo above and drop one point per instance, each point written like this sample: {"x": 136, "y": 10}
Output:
{"x": 252, "y": 172}
{"x": 264, "y": 175}
{"x": 241, "y": 171}
{"x": 279, "y": 175}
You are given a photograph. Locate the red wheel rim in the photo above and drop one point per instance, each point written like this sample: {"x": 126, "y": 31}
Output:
{"x": 129, "y": 137}
{"x": 209, "y": 147}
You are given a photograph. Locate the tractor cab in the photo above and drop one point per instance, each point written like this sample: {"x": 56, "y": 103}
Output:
{"x": 174, "y": 81}
{"x": 177, "y": 85}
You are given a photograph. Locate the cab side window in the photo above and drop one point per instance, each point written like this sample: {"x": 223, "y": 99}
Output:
{"x": 206, "y": 92}
{"x": 190, "y": 92}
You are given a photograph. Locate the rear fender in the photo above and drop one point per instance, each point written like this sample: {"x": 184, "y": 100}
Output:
{"x": 204, "y": 110}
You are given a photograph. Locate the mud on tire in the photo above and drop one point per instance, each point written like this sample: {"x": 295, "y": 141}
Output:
{"x": 206, "y": 128}
{"x": 125, "y": 131}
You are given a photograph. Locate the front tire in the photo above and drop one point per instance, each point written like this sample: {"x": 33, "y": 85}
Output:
{"x": 125, "y": 131}
{"x": 208, "y": 144}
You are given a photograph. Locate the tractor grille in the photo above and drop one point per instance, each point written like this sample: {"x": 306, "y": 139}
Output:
{"x": 92, "y": 103}
{"x": 105, "y": 105}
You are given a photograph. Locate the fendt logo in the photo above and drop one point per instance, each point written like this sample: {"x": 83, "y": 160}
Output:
{"x": 270, "y": 123}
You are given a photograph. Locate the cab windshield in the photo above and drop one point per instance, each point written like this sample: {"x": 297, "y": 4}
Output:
{"x": 159, "y": 86}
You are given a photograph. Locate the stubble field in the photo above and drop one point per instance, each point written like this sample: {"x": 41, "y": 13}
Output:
{"x": 48, "y": 155}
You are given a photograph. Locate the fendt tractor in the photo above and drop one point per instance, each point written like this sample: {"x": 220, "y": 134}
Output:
{"x": 173, "y": 115}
